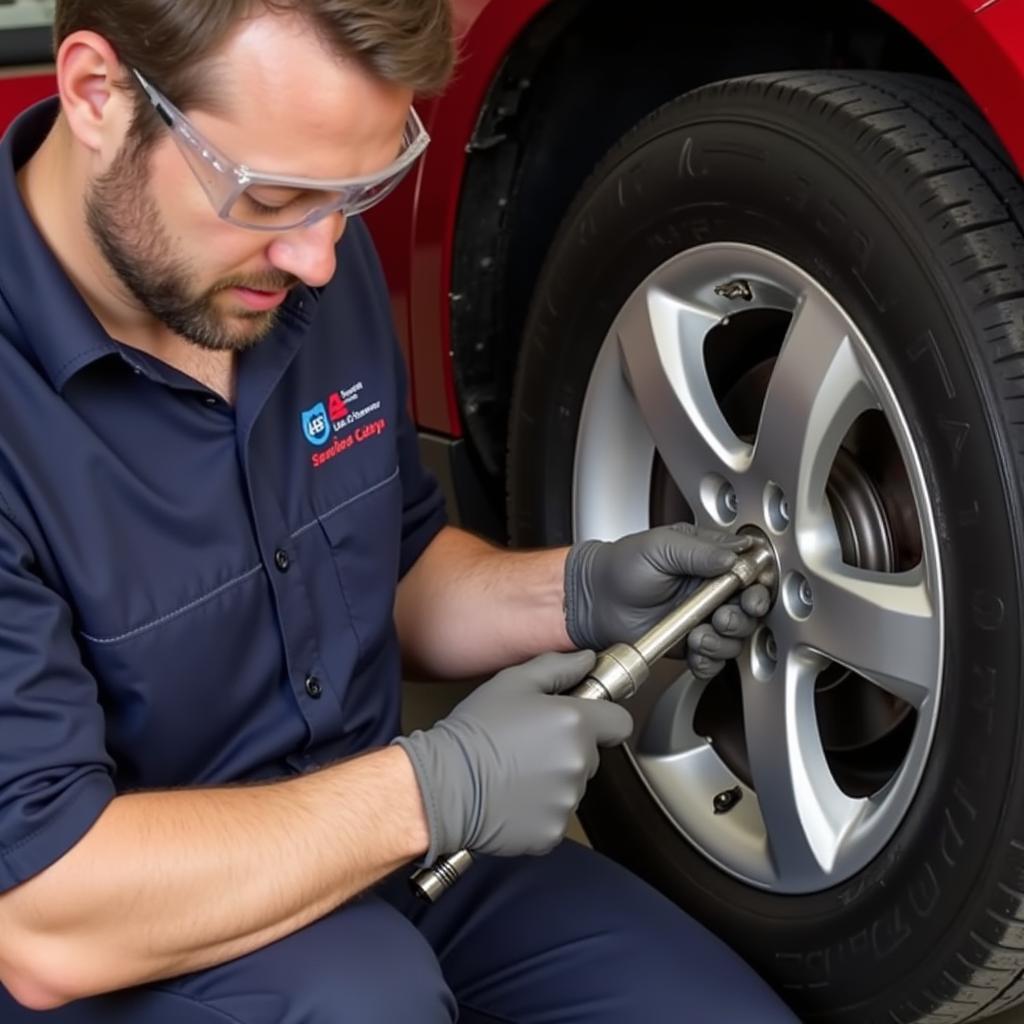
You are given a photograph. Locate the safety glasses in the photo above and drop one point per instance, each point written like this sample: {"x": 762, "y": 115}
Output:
{"x": 275, "y": 202}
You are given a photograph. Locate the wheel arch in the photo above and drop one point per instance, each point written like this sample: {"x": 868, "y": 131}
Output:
{"x": 558, "y": 103}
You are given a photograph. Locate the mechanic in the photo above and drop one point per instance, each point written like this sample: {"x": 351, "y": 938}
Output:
{"x": 203, "y": 817}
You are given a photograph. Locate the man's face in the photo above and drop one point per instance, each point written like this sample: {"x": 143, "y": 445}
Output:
{"x": 167, "y": 276}
{"x": 291, "y": 108}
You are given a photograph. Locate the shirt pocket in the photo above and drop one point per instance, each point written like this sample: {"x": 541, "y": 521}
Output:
{"x": 364, "y": 534}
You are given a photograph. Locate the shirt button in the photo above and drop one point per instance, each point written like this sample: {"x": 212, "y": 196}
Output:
{"x": 211, "y": 401}
{"x": 313, "y": 687}
{"x": 281, "y": 560}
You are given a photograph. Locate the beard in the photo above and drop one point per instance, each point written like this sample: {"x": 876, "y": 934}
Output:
{"x": 125, "y": 223}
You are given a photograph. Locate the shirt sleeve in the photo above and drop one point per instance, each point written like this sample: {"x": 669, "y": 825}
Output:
{"x": 56, "y": 776}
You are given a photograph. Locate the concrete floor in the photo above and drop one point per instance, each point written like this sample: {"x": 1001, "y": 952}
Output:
{"x": 425, "y": 703}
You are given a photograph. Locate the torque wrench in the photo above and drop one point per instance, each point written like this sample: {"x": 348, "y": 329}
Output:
{"x": 619, "y": 672}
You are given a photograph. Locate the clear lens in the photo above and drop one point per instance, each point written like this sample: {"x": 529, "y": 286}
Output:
{"x": 272, "y": 202}
{"x": 278, "y": 208}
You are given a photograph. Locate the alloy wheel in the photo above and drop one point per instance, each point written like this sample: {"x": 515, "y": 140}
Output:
{"x": 735, "y": 392}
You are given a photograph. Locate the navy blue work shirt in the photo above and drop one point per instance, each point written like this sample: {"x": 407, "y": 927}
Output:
{"x": 190, "y": 592}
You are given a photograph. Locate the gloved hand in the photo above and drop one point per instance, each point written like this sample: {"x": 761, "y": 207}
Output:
{"x": 505, "y": 770}
{"x": 615, "y": 591}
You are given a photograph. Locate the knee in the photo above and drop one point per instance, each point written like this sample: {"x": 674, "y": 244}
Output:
{"x": 683, "y": 964}
{"x": 672, "y": 960}
{"x": 365, "y": 964}
{"x": 388, "y": 975}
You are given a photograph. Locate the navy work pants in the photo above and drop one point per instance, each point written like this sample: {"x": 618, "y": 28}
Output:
{"x": 570, "y": 937}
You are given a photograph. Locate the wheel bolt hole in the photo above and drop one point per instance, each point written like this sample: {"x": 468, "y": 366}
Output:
{"x": 764, "y": 653}
{"x": 798, "y": 595}
{"x": 719, "y": 499}
{"x": 776, "y": 508}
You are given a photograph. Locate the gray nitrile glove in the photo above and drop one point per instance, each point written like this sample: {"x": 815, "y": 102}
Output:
{"x": 503, "y": 773}
{"x": 616, "y": 591}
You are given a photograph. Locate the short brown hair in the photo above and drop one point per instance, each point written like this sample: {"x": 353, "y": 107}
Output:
{"x": 405, "y": 42}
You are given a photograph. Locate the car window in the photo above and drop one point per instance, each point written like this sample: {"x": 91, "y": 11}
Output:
{"x": 25, "y": 32}
{"x": 25, "y": 14}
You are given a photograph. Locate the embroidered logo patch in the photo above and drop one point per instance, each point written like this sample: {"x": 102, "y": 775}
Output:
{"x": 345, "y": 419}
{"x": 315, "y": 425}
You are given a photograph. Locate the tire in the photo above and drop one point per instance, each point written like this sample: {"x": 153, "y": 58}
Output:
{"x": 889, "y": 194}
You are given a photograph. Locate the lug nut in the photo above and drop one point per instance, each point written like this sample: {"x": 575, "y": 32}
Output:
{"x": 798, "y": 596}
{"x": 764, "y": 654}
{"x": 776, "y": 508}
{"x": 730, "y": 501}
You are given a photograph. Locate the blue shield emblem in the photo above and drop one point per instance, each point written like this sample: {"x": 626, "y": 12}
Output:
{"x": 315, "y": 425}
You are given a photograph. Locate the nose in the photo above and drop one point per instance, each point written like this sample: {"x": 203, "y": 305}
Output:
{"x": 309, "y": 253}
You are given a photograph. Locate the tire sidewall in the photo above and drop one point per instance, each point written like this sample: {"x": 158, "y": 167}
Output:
{"x": 729, "y": 167}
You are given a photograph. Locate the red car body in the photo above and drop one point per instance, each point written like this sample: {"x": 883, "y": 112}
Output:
{"x": 980, "y": 43}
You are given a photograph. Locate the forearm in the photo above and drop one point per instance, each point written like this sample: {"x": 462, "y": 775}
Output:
{"x": 467, "y": 608}
{"x": 168, "y": 883}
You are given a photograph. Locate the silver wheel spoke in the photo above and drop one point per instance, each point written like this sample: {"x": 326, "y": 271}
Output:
{"x": 668, "y": 729}
{"x": 881, "y": 625}
{"x": 662, "y": 344}
{"x": 806, "y": 815}
{"x": 817, "y": 390}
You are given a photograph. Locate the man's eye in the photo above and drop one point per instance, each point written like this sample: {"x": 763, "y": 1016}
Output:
{"x": 267, "y": 206}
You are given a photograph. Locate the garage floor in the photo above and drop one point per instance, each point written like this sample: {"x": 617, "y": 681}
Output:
{"x": 425, "y": 703}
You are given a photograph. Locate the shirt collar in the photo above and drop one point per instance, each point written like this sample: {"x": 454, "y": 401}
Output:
{"x": 41, "y": 311}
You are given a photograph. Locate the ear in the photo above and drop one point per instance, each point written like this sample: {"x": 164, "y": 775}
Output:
{"x": 88, "y": 75}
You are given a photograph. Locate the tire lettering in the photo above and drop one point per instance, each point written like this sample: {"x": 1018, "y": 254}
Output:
{"x": 868, "y": 880}
{"x": 685, "y": 166}
{"x": 813, "y": 967}
{"x": 926, "y": 345}
{"x": 960, "y": 792}
{"x": 925, "y": 893}
{"x": 956, "y": 435}
{"x": 835, "y": 224}
{"x": 951, "y": 840}
{"x": 989, "y": 611}
{"x": 630, "y": 183}
{"x": 887, "y": 936}
{"x": 983, "y": 694}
